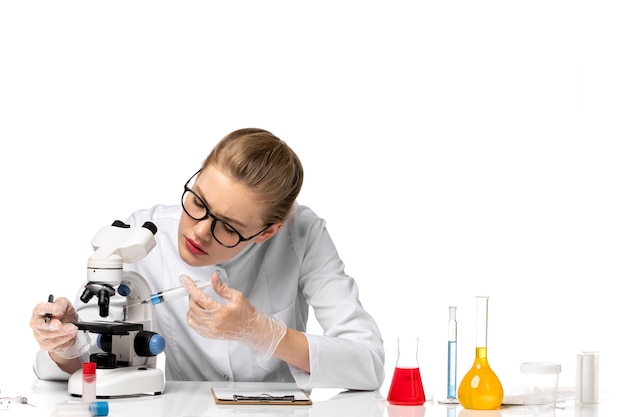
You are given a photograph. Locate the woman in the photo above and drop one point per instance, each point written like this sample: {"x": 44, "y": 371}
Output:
{"x": 269, "y": 260}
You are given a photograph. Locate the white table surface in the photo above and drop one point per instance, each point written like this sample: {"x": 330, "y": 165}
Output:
{"x": 195, "y": 399}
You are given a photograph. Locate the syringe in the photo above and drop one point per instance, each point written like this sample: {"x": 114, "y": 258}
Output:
{"x": 172, "y": 293}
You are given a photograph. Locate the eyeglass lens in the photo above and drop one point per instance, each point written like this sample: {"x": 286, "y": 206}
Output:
{"x": 222, "y": 232}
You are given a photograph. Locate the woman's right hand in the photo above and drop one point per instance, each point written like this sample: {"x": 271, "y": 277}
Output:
{"x": 59, "y": 335}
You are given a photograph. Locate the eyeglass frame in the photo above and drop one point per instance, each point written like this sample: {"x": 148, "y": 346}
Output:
{"x": 214, "y": 218}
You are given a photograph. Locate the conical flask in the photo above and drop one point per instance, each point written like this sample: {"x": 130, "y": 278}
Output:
{"x": 480, "y": 388}
{"x": 406, "y": 386}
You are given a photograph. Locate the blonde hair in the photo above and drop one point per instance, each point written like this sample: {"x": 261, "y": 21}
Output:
{"x": 265, "y": 164}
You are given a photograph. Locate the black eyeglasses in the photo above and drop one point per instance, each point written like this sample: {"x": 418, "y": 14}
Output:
{"x": 222, "y": 232}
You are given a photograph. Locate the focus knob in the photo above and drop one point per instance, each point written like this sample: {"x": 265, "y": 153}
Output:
{"x": 149, "y": 343}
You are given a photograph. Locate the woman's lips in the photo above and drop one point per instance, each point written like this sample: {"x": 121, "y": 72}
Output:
{"x": 193, "y": 247}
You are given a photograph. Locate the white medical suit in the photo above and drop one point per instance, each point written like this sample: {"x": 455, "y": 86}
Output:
{"x": 297, "y": 268}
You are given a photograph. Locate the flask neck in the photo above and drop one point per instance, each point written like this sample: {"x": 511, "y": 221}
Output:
{"x": 407, "y": 353}
{"x": 481, "y": 353}
{"x": 482, "y": 304}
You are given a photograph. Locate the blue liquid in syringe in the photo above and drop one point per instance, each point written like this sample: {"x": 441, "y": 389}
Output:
{"x": 451, "y": 369}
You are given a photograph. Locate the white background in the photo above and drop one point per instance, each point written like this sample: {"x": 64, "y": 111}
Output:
{"x": 455, "y": 149}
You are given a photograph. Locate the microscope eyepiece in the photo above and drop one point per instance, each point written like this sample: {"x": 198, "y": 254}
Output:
{"x": 150, "y": 226}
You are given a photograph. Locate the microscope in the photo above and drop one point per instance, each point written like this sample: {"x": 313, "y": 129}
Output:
{"x": 126, "y": 365}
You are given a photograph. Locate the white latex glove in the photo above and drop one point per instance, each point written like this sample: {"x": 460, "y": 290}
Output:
{"x": 237, "y": 319}
{"x": 60, "y": 335}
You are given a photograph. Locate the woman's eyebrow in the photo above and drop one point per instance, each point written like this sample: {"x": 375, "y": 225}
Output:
{"x": 227, "y": 219}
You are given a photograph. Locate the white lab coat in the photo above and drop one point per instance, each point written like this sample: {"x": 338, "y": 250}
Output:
{"x": 297, "y": 268}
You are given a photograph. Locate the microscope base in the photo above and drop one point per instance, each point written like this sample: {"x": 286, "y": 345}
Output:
{"x": 121, "y": 382}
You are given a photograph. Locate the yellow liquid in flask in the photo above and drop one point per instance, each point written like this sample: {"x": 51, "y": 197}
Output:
{"x": 480, "y": 388}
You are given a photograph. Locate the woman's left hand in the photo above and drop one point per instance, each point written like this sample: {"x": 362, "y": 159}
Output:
{"x": 236, "y": 319}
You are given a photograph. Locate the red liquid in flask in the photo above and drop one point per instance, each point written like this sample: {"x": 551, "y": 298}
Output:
{"x": 406, "y": 387}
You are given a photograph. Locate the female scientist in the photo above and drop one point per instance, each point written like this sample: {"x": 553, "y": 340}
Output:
{"x": 268, "y": 259}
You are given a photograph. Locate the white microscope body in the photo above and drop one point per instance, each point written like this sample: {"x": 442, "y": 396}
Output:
{"x": 127, "y": 364}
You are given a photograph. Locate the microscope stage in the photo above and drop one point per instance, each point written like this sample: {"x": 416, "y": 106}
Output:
{"x": 108, "y": 327}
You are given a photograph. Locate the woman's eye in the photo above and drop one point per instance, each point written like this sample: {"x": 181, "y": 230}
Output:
{"x": 197, "y": 202}
{"x": 230, "y": 230}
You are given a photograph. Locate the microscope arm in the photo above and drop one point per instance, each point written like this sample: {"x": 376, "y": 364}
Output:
{"x": 136, "y": 289}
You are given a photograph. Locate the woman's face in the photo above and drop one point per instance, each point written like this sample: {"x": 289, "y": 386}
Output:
{"x": 232, "y": 203}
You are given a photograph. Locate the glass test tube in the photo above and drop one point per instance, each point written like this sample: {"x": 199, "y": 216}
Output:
{"x": 452, "y": 353}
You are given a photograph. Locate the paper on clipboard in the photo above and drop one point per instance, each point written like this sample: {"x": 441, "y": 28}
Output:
{"x": 273, "y": 396}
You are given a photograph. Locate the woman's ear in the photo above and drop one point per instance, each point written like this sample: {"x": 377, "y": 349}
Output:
{"x": 271, "y": 231}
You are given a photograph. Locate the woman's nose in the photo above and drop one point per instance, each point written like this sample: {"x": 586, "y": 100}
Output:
{"x": 203, "y": 228}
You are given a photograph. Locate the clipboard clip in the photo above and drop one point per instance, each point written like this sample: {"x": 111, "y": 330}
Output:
{"x": 264, "y": 398}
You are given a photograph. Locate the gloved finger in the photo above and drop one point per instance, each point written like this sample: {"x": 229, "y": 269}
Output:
{"x": 221, "y": 288}
{"x": 70, "y": 314}
{"x": 61, "y": 309}
{"x": 205, "y": 315}
{"x": 56, "y": 335}
{"x": 42, "y": 309}
{"x": 205, "y": 322}
{"x": 198, "y": 296}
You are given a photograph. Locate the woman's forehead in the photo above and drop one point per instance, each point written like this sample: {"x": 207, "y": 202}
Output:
{"x": 228, "y": 199}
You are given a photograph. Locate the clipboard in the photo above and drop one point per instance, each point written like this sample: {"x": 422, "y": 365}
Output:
{"x": 260, "y": 396}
